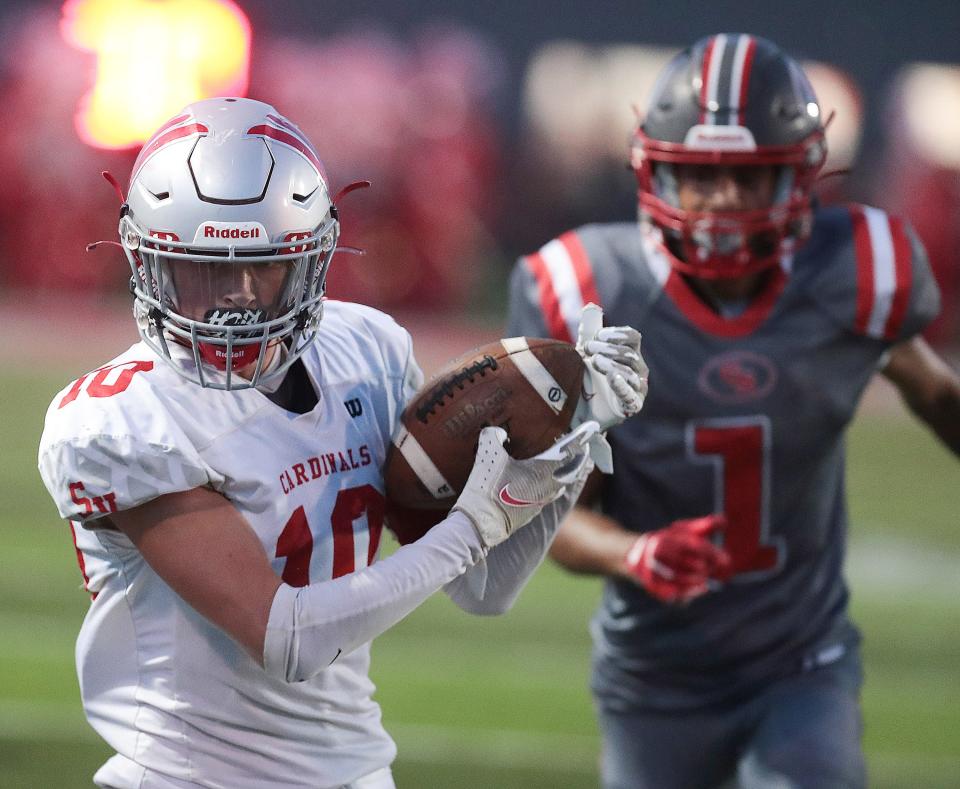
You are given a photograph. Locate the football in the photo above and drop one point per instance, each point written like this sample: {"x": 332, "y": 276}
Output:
{"x": 529, "y": 387}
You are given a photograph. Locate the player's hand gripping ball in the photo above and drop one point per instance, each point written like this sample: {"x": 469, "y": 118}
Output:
{"x": 615, "y": 374}
{"x": 529, "y": 387}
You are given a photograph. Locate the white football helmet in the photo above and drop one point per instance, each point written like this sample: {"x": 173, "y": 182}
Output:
{"x": 229, "y": 229}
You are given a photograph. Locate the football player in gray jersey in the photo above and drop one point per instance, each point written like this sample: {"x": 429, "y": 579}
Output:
{"x": 723, "y": 652}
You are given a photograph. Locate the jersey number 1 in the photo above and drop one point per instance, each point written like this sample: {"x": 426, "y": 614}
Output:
{"x": 296, "y": 539}
{"x": 738, "y": 448}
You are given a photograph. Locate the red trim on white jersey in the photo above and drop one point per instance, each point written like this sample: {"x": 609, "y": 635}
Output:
{"x": 884, "y": 275}
{"x": 81, "y": 561}
{"x": 565, "y": 281}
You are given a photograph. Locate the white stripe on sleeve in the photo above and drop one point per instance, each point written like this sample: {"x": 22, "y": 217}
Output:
{"x": 884, "y": 269}
{"x": 565, "y": 285}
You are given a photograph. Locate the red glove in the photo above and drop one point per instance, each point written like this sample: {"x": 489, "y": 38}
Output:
{"x": 674, "y": 563}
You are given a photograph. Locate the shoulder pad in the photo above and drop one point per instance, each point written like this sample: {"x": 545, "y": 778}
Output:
{"x": 359, "y": 345}
{"x": 868, "y": 271}
{"x": 109, "y": 442}
{"x": 354, "y": 338}
{"x": 549, "y": 288}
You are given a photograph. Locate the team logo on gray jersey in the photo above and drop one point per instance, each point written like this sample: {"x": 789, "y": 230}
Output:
{"x": 737, "y": 377}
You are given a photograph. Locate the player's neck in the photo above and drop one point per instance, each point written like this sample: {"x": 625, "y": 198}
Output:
{"x": 724, "y": 296}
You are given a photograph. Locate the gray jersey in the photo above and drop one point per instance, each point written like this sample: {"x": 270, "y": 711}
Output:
{"x": 745, "y": 416}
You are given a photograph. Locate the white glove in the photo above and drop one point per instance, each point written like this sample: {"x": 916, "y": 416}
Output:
{"x": 502, "y": 494}
{"x": 615, "y": 378}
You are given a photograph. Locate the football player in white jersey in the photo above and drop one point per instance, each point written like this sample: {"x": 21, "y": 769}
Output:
{"x": 223, "y": 479}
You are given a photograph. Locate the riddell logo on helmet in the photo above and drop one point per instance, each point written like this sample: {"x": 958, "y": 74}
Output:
{"x": 722, "y": 138}
{"x": 229, "y": 232}
{"x": 239, "y": 233}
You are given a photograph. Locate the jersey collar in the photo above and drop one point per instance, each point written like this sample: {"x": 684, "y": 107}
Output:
{"x": 699, "y": 314}
{"x": 704, "y": 318}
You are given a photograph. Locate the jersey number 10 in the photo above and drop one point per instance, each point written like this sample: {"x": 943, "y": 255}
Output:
{"x": 296, "y": 539}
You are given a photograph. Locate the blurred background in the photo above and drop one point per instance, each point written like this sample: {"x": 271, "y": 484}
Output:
{"x": 486, "y": 129}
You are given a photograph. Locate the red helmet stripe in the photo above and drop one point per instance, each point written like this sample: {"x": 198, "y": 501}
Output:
{"x": 159, "y": 141}
{"x": 742, "y": 65}
{"x": 711, "y": 76}
{"x": 293, "y": 141}
{"x": 280, "y": 121}
{"x": 168, "y": 125}
{"x": 705, "y": 78}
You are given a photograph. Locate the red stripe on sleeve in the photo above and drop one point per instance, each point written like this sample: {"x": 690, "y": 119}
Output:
{"x": 707, "y": 56}
{"x": 903, "y": 273}
{"x": 863, "y": 250}
{"x": 745, "y": 78}
{"x": 582, "y": 268}
{"x": 81, "y": 561}
{"x": 549, "y": 303}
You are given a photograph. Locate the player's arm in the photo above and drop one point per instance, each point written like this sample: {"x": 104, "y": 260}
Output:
{"x": 209, "y": 555}
{"x": 674, "y": 564}
{"x": 592, "y": 543}
{"x": 929, "y": 387}
{"x": 492, "y": 586}
{"x": 204, "y": 549}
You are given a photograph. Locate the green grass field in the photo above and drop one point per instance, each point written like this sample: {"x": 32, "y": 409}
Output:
{"x": 503, "y": 702}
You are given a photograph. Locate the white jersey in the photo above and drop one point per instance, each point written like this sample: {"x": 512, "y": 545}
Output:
{"x": 169, "y": 691}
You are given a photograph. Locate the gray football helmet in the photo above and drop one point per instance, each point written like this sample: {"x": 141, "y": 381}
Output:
{"x": 229, "y": 230}
{"x": 730, "y": 99}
